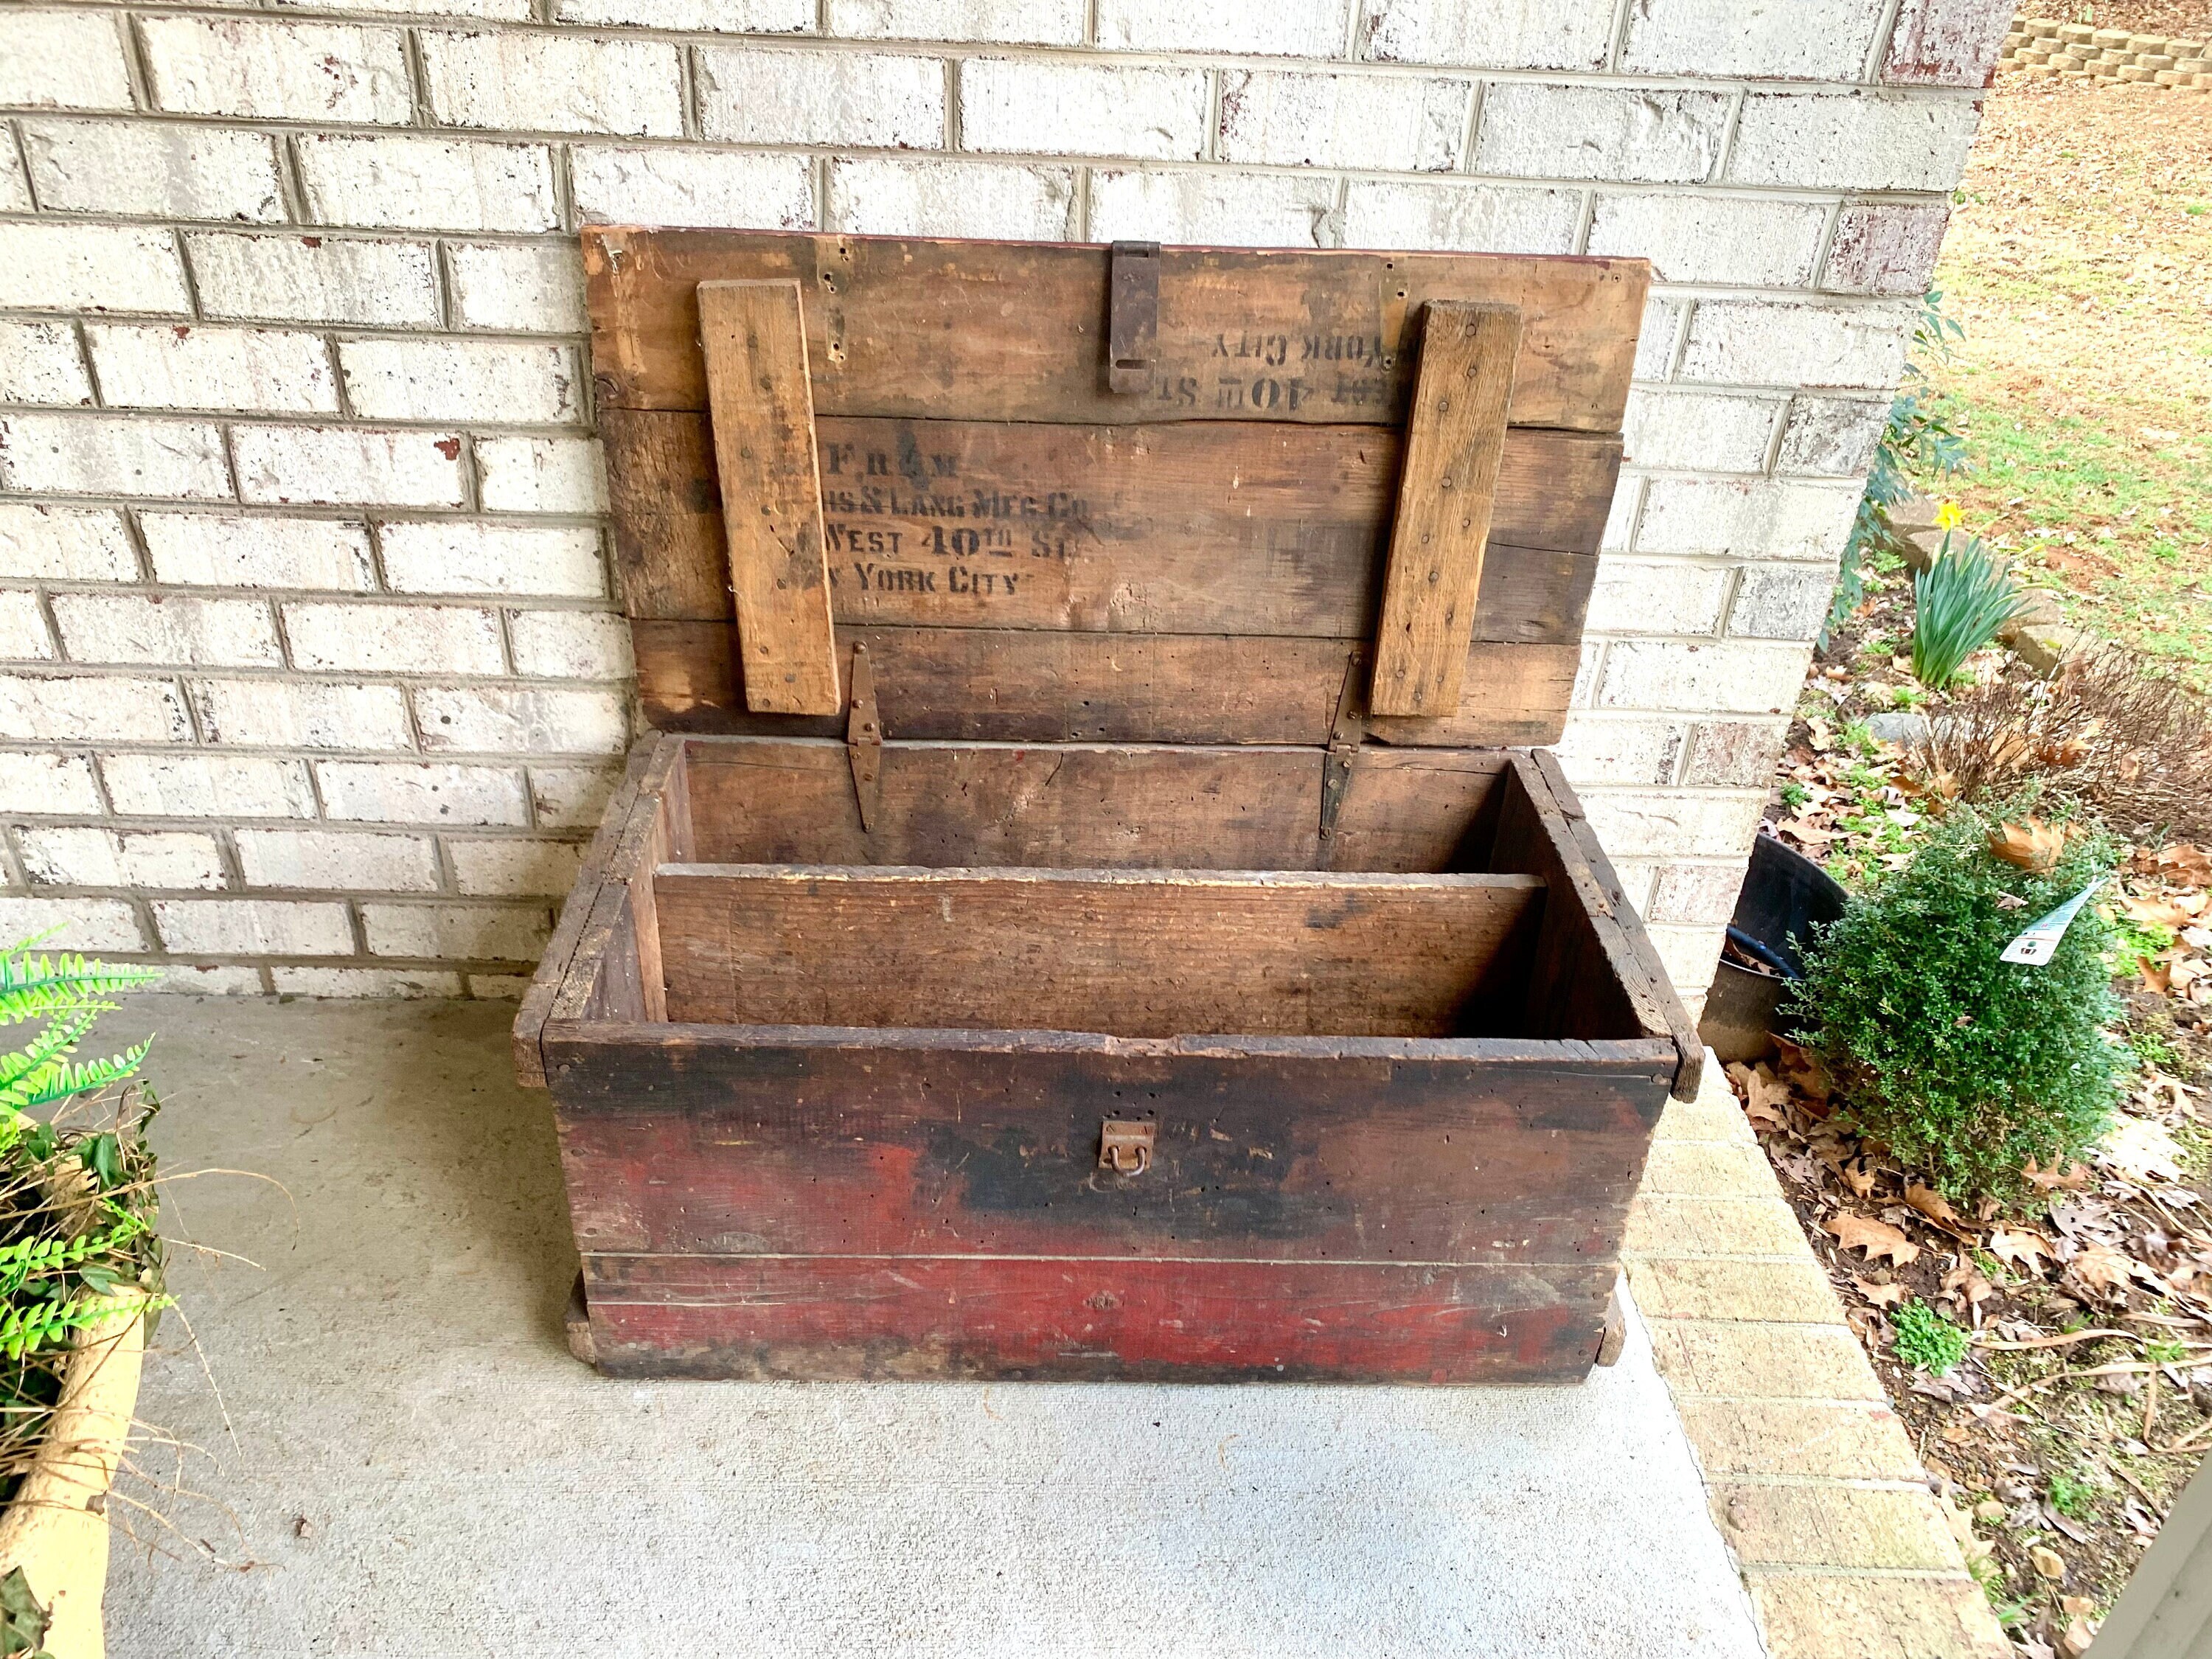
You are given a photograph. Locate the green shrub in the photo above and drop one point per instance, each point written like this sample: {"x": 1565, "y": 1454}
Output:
{"x": 1966, "y": 1067}
{"x": 1925, "y": 1340}
{"x": 1958, "y": 603}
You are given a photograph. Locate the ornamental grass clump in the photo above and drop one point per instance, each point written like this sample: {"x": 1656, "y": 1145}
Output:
{"x": 1965, "y": 1066}
{"x": 1959, "y": 604}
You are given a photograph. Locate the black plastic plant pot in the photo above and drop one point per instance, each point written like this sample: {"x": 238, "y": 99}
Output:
{"x": 1783, "y": 894}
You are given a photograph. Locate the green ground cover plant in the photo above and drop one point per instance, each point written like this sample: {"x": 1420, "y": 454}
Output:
{"x": 1925, "y": 1340}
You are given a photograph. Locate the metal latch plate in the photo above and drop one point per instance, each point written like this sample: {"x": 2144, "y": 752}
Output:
{"x": 1133, "y": 320}
{"x": 1124, "y": 1146}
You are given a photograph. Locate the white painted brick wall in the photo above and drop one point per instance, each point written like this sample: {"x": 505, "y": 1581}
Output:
{"x": 1762, "y": 39}
{"x": 39, "y": 363}
{"x": 310, "y": 677}
{"x": 315, "y": 279}
{"x": 154, "y": 172}
{"x": 63, "y": 60}
{"x": 163, "y": 366}
{"x": 770, "y": 95}
{"x": 688, "y": 187}
{"x": 211, "y": 550}
{"x": 553, "y": 83}
{"x": 1393, "y": 125}
{"x": 1533, "y": 34}
{"x": 427, "y": 184}
{"x": 290, "y": 72}
{"x": 92, "y": 267}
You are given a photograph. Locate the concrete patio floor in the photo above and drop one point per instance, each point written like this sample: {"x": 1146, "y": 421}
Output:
{"x": 396, "y": 1456}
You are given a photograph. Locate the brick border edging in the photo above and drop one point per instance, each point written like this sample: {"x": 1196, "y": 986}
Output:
{"x": 2047, "y": 47}
{"x": 1847, "y": 1552}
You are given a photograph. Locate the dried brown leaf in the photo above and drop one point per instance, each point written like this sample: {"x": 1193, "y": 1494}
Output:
{"x": 2019, "y": 1246}
{"x": 1877, "y": 1239}
{"x": 1882, "y": 1295}
{"x": 2047, "y": 1562}
{"x": 2071, "y": 1176}
{"x": 2030, "y": 845}
{"x": 1933, "y": 1205}
{"x": 1966, "y": 1281}
{"x": 2140, "y": 1150}
{"x": 2102, "y": 1270}
{"x": 1765, "y": 1099}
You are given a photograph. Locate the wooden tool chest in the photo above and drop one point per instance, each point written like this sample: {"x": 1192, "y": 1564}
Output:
{"x": 1092, "y": 907}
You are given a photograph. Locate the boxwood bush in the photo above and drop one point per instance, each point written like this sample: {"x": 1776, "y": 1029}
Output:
{"x": 1967, "y": 1066}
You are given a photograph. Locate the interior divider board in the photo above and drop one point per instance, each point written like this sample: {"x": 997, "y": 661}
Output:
{"x": 1237, "y": 527}
{"x": 1007, "y": 331}
{"x": 779, "y": 800}
{"x": 1151, "y": 953}
{"x": 754, "y": 348}
{"x": 1034, "y": 686}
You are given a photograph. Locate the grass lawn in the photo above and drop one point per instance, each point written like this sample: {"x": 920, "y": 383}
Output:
{"x": 2079, "y": 262}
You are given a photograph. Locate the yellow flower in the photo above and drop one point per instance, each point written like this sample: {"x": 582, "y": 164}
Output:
{"x": 1948, "y": 516}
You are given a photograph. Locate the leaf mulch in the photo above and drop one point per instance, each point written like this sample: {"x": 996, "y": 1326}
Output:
{"x": 2190, "y": 19}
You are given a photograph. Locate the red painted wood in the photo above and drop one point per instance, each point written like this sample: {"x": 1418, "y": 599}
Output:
{"x": 829, "y": 1317}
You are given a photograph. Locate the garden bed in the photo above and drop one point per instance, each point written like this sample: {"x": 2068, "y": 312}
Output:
{"x": 2061, "y": 1448}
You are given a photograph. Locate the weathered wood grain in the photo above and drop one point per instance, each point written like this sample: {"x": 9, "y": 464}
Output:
{"x": 839, "y": 1142}
{"x": 1234, "y": 528}
{"x": 1009, "y": 331}
{"x": 1447, "y": 492}
{"x": 537, "y": 1005}
{"x": 1033, "y": 686}
{"x": 755, "y": 350}
{"x": 790, "y": 801}
{"x": 827, "y": 1319}
{"x": 1609, "y": 900}
{"x": 1132, "y": 953}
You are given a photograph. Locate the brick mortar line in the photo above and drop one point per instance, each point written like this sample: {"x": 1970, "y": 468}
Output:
{"x": 1815, "y": 1570}
{"x": 1868, "y": 394}
{"x": 144, "y": 823}
{"x": 420, "y": 24}
{"x": 1793, "y": 196}
{"x": 1824, "y": 1482}
{"x": 319, "y": 512}
{"x": 293, "y": 959}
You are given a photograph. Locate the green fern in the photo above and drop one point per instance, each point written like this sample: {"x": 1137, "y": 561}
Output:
{"x": 34, "y": 986}
{"x": 77, "y": 1244}
{"x": 69, "y": 993}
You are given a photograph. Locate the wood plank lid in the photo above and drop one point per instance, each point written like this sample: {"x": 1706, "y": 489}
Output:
{"x": 1064, "y": 493}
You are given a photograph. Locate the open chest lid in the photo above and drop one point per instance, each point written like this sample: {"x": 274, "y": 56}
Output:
{"x": 1058, "y": 492}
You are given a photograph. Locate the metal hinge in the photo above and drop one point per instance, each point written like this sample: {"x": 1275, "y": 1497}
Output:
{"x": 1133, "y": 315}
{"x": 864, "y": 736}
{"x": 1344, "y": 739}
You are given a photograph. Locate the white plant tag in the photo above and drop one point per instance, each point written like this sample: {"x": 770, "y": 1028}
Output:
{"x": 2040, "y": 943}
